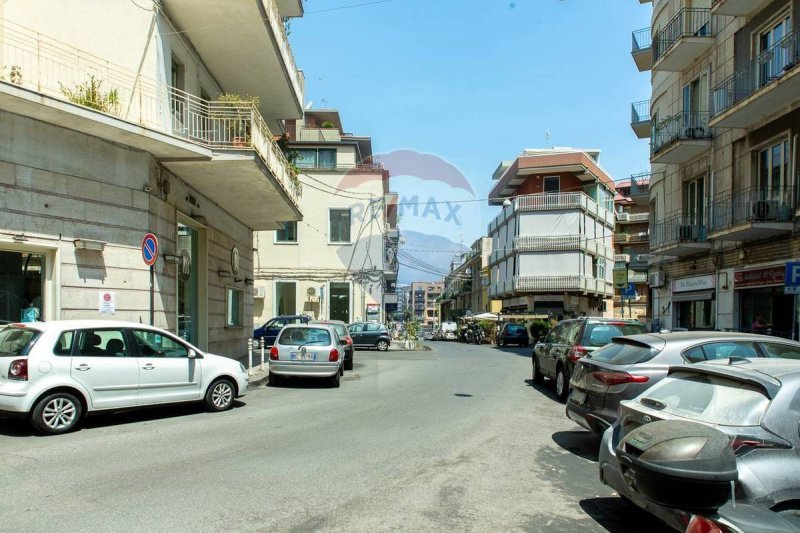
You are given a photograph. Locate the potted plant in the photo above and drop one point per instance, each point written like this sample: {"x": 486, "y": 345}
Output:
{"x": 90, "y": 94}
{"x": 328, "y": 125}
{"x": 235, "y": 112}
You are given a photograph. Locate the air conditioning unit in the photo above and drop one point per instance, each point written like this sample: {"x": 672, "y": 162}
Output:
{"x": 623, "y": 217}
{"x": 766, "y": 210}
{"x": 688, "y": 232}
{"x": 656, "y": 279}
{"x": 259, "y": 292}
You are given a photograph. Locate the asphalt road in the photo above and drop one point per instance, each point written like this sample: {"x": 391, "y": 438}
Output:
{"x": 454, "y": 439}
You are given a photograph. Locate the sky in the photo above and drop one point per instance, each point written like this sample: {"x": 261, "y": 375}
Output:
{"x": 472, "y": 83}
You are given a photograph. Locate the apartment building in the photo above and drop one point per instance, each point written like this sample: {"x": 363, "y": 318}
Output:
{"x": 340, "y": 261}
{"x": 724, "y": 181}
{"x": 466, "y": 287}
{"x": 552, "y": 246}
{"x": 111, "y": 127}
{"x": 423, "y": 301}
{"x": 631, "y": 247}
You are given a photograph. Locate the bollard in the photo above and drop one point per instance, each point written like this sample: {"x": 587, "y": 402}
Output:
{"x": 261, "y": 343}
{"x": 249, "y": 357}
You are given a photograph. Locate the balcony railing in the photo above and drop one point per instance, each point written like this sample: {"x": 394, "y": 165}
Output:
{"x": 562, "y": 283}
{"x": 694, "y": 22}
{"x": 752, "y": 205}
{"x": 276, "y": 23}
{"x": 553, "y": 202}
{"x": 642, "y": 40}
{"x": 639, "y": 261}
{"x": 685, "y": 126}
{"x": 640, "y": 112}
{"x": 55, "y": 69}
{"x": 767, "y": 67}
{"x": 675, "y": 230}
{"x": 640, "y": 184}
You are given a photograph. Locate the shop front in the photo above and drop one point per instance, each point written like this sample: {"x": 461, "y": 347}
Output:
{"x": 22, "y": 286}
{"x": 763, "y": 306}
{"x": 694, "y": 302}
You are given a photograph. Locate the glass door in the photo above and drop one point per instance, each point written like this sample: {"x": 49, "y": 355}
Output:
{"x": 773, "y": 58}
{"x": 339, "y": 301}
{"x": 22, "y": 279}
{"x": 188, "y": 312}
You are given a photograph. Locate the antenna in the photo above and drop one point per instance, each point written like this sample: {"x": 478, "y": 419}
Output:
{"x": 547, "y": 138}
{"x": 309, "y": 104}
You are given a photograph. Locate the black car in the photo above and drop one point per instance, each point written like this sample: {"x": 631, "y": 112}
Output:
{"x": 556, "y": 355}
{"x": 370, "y": 335}
{"x": 513, "y": 334}
{"x": 270, "y": 330}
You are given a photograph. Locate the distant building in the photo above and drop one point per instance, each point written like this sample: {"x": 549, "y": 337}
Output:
{"x": 424, "y": 296}
{"x": 632, "y": 246}
{"x": 466, "y": 287}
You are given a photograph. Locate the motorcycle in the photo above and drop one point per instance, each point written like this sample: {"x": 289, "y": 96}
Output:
{"x": 480, "y": 335}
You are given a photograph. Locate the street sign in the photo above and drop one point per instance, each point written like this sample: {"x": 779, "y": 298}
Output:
{"x": 620, "y": 277}
{"x": 149, "y": 249}
{"x": 791, "y": 284}
{"x": 629, "y": 292}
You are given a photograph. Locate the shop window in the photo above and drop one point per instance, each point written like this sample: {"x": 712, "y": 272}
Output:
{"x": 696, "y": 314}
{"x": 766, "y": 310}
{"x": 22, "y": 278}
{"x": 287, "y": 234}
{"x": 235, "y": 307}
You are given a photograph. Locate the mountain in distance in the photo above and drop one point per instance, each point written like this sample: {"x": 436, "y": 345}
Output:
{"x": 430, "y": 249}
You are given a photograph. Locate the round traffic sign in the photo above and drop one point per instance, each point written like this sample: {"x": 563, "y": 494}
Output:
{"x": 149, "y": 249}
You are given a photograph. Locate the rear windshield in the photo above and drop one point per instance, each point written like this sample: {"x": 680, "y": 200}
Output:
{"x": 710, "y": 399}
{"x": 515, "y": 329}
{"x": 303, "y": 336}
{"x": 624, "y": 353}
{"x": 341, "y": 330}
{"x": 601, "y": 334}
{"x": 16, "y": 341}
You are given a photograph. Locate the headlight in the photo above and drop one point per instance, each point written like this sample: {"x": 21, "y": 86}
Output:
{"x": 242, "y": 368}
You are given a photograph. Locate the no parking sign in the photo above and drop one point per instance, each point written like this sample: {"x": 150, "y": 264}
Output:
{"x": 149, "y": 249}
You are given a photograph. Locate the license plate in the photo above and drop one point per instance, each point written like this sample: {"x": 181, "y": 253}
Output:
{"x": 578, "y": 396}
{"x": 297, "y": 356}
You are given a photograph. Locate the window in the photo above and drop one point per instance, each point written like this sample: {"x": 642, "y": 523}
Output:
{"x": 373, "y": 326}
{"x": 339, "y": 226}
{"x": 17, "y": 341}
{"x": 306, "y": 158}
{"x": 287, "y": 234}
{"x": 64, "y": 344}
{"x": 695, "y": 99}
{"x": 153, "y": 344}
{"x": 773, "y": 62}
{"x": 316, "y": 158}
{"x": 285, "y": 298}
{"x": 624, "y": 353}
{"x": 339, "y": 301}
{"x": 783, "y": 351}
{"x": 304, "y": 336}
{"x": 725, "y": 350}
{"x": 773, "y": 171}
{"x": 102, "y": 343}
{"x": 693, "y": 201}
{"x": 235, "y": 307}
{"x": 326, "y": 159}
{"x": 552, "y": 185}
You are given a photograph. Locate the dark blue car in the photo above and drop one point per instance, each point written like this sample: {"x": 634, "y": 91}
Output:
{"x": 270, "y": 330}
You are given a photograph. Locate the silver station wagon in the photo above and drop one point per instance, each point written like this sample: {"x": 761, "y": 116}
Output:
{"x": 307, "y": 350}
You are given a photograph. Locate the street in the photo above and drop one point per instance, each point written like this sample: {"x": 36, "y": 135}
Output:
{"x": 452, "y": 439}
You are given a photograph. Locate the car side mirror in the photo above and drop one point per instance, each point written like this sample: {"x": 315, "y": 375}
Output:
{"x": 192, "y": 354}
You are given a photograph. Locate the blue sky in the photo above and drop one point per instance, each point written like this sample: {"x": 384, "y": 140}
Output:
{"x": 476, "y": 81}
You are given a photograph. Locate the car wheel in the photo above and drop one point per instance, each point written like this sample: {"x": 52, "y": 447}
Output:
{"x": 335, "y": 380}
{"x": 348, "y": 364}
{"x": 536, "y": 373}
{"x": 273, "y": 380}
{"x": 220, "y": 395}
{"x": 56, "y": 413}
{"x": 383, "y": 346}
{"x": 562, "y": 385}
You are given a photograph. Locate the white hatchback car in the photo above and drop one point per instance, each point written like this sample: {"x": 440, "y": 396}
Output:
{"x": 57, "y": 372}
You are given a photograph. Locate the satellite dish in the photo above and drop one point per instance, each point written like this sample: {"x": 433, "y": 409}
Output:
{"x": 311, "y": 291}
{"x": 309, "y": 104}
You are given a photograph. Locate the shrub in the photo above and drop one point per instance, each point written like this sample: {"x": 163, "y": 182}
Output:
{"x": 90, "y": 95}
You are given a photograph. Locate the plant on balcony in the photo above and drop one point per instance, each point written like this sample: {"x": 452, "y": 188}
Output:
{"x": 90, "y": 94}
{"x": 14, "y": 74}
{"x": 291, "y": 156}
{"x": 235, "y": 113}
{"x": 328, "y": 125}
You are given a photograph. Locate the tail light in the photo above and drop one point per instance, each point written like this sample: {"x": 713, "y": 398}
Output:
{"x": 334, "y": 356}
{"x": 701, "y": 524}
{"x": 742, "y": 444}
{"x": 348, "y": 340}
{"x": 273, "y": 353}
{"x": 577, "y": 352}
{"x": 618, "y": 378}
{"x": 18, "y": 369}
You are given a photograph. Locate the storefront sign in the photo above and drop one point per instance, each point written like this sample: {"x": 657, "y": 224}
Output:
{"x": 107, "y": 303}
{"x": 759, "y": 277}
{"x": 620, "y": 277}
{"x": 696, "y": 283}
{"x": 791, "y": 284}
{"x": 373, "y": 310}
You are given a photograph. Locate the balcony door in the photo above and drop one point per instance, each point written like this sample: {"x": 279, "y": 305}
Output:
{"x": 771, "y": 58}
{"x": 774, "y": 180}
{"x": 694, "y": 201}
{"x": 695, "y": 107}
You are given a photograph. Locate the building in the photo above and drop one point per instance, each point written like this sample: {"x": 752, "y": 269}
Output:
{"x": 723, "y": 125}
{"x": 423, "y": 297}
{"x": 631, "y": 246}
{"x": 120, "y": 121}
{"x": 552, "y": 241}
{"x": 466, "y": 287}
{"x": 340, "y": 262}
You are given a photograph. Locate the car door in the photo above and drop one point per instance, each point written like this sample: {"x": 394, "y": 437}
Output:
{"x": 543, "y": 350}
{"x": 356, "y": 333}
{"x": 272, "y": 329}
{"x": 370, "y": 333}
{"x": 167, "y": 373}
{"x": 103, "y": 363}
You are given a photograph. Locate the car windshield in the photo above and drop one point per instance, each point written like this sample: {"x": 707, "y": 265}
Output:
{"x": 621, "y": 352}
{"x": 16, "y": 341}
{"x": 304, "y": 336}
{"x": 601, "y": 334}
{"x": 515, "y": 329}
{"x": 706, "y": 398}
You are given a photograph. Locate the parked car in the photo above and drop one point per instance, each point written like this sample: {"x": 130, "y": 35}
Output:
{"x": 753, "y": 401}
{"x": 344, "y": 336}
{"x": 57, "y": 372}
{"x": 307, "y": 350}
{"x": 447, "y": 331}
{"x": 627, "y": 366}
{"x": 370, "y": 335}
{"x": 269, "y": 331}
{"x": 555, "y": 356}
{"x": 513, "y": 334}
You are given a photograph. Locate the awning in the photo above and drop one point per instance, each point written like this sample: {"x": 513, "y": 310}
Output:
{"x": 693, "y": 296}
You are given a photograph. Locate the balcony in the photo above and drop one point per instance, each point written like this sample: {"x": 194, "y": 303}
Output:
{"x": 631, "y": 238}
{"x": 529, "y": 243}
{"x": 766, "y": 85}
{"x": 640, "y": 119}
{"x": 553, "y": 202}
{"x": 678, "y": 236}
{"x": 205, "y": 143}
{"x": 642, "y": 49}
{"x": 639, "y": 262}
{"x": 751, "y": 214}
{"x": 685, "y": 38}
{"x": 574, "y": 283}
{"x": 680, "y": 138}
{"x": 254, "y": 59}
{"x": 738, "y": 8}
{"x": 632, "y": 218}
{"x": 300, "y": 133}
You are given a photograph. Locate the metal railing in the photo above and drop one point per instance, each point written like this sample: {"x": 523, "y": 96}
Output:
{"x": 562, "y": 283}
{"x": 639, "y": 261}
{"x": 677, "y": 229}
{"x": 640, "y": 112}
{"x": 767, "y": 67}
{"x": 313, "y": 134}
{"x": 57, "y": 70}
{"x": 276, "y": 23}
{"x": 640, "y": 184}
{"x": 754, "y": 204}
{"x": 685, "y": 126}
{"x": 642, "y": 40}
{"x": 553, "y": 202}
{"x": 694, "y": 22}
